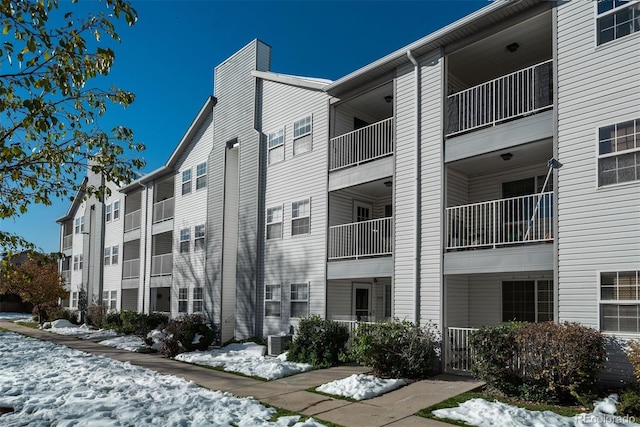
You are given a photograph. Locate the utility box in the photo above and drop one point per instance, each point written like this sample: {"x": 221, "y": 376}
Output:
{"x": 276, "y": 344}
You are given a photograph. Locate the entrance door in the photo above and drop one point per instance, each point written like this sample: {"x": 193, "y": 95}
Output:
{"x": 362, "y": 211}
{"x": 362, "y": 301}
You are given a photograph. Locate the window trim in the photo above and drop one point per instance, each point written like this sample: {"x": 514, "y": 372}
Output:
{"x": 281, "y": 222}
{"x": 107, "y": 213}
{"x": 185, "y": 237}
{"x": 107, "y": 255}
{"x": 303, "y": 135}
{"x": 116, "y": 210}
{"x": 187, "y": 182}
{"x": 182, "y": 299}
{"x": 115, "y": 252}
{"x": 281, "y": 144}
{"x": 308, "y": 201}
{"x": 201, "y": 176}
{"x": 110, "y": 299}
{"x": 601, "y": 302}
{"x": 629, "y": 4}
{"x": 599, "y": 156}
{"x": 197, "y": 300}
{"x": 536, "y": 296}
{"x": 273, "y": 300}
{"x": 199, "y": 238}
{"x": 297, "y": 300}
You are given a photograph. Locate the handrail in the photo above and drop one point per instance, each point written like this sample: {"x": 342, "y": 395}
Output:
{"x": 361, "y": 239}
{"x": 362, "y": 145}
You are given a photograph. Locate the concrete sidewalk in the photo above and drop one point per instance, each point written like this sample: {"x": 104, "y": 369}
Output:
{"x": 392, "y": 409}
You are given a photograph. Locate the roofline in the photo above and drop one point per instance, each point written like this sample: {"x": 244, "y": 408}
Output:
{"x": 76, "y": 201}
{"x": 290, "y": 80}
{"x": 431, "y": 38}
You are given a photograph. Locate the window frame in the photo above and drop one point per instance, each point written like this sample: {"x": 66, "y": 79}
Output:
{"x": 270, "y": 137}
{"x": 634, "y": 9}
{"x": 76, "y": 262}
{"x": 270, "y": 299}
{"x": 183, "y": 300}
{"x": 199, "y": 299}
{"x": 602, "y": 302}
{"x": 107, "y": 212}
{"x": 537, "y": 312}
{"x": 107, "y": 255}
{"x": 110, "y": 299}
{"x": 115, "y": 252}
{"x": 201, "y": 178}
{"x": 199, "y": 236}
{"x": 116, "y": 210}
{"x": 269, "y": 223}
{"x": 298, "y": 217}
{"x": 298, "y": 300}
{"x": 298, "y": 137}
{"x": 186, "y": 181}
{"x": 74, "y": 299}
{"x": 615, "y": 153}
{"x": 79, "y": 225}
{"x": 185, "y": 240}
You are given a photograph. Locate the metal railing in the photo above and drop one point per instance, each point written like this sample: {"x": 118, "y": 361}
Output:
{"x": 162, "y": 265}
{"x": 362, "y": 145}
{"x": 131, "y": 268}
{"x": 524, "y": 92}
{"x": 458, "y": 352}
{"x": 132, "y": 220}
{"x": 500, "y": 222}
{"x": 361, "y": 239}
{"x": 163, "y": 210}
{"x": 353, "y": 326}
{"x": 66, "y": 276}
{"x": 67, "y": 242}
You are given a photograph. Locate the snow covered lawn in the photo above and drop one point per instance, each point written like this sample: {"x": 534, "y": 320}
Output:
{"x": 361, "y": 386}
{"x": 481, "y": 413}
{"x": 48, "y": 384}
{"x": 16, "y": 317}
{"x": 247, "y": 359}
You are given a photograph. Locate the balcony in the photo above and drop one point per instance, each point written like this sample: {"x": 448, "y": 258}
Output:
{"x": 162, "y": 265}
{"x": 517, "y": 220}
{"x": 522, "y": 93}
{"x": 131, "y": 269}
{"x": 362, "y": 145}
{"x": 66, "y": 277}
{"x": 361, "y": 239}
{"x": 67, "y": 242}
{"x": 132, "y": 220}
{"x": 163, "y": 210}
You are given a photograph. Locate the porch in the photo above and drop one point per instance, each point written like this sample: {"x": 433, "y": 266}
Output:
{"x": 365, "y": 299}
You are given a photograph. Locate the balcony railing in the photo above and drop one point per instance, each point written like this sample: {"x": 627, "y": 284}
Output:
{"x": 517, "y": 94}
{"x": 361, "y": 239}
{"x": 132, "y": 220}
{"x": 67, "y": 242}
{"x": 458, "y": 353}
{"x": 131, "y": 269}
{"x": 163, "y": 210}
{"x": 66, "y": 276}
{"x": 362, "y": 145}
{"x": 162, "y": 265}
{"x": 500, "y": 222}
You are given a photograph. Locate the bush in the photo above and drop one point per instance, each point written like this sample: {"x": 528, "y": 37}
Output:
{"x": 134, "y": 323}
{"x": 55, "y": 312}
{"x": 633, "y": 353}
{"x": 112, "y": 321}
{"x": 319, "y": 342}
{"x": 630, "y": 401}
{"x": 549, "y": 362}
{"x": 96, "y": 315}
{"x": 397, "y": 349}
{"x": 181, "y": 334}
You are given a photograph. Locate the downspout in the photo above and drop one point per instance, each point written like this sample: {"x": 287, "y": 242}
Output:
{"x": 417, "y": 208}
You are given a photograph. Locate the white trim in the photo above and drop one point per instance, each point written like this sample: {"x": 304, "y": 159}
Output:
{"x": 270, "y": 148}
{"x": 183, "y": 182}
{"x": 307, "y": 300}
{"x": 281, "y": 222}
{"x": 600, "y": 301}
{"x": 362, "y": 285}
{"x": 306, "y": 201}
{"x": 278, "y": 300}
{"x": 203, "y": 175}
{"x": 597, "y": 16}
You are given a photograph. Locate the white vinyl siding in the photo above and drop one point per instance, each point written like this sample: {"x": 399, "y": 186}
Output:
{"x": 619, "y": 153}
{"x": 272, "y": 300}
{"x": 300, "y": 217}
{"x": 274, "y": 223}
{"x": 299, "y": 300}
{"x": 275, "y": 143}
{"x": 616, "y": 19}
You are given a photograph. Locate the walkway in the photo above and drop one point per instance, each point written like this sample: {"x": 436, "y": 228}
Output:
{"x": 392, "y": 409}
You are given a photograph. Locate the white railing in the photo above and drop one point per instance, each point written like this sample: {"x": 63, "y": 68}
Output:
{"x": 353, "y": 326}
{"x": 131, "y": 268}
{"x": 132, "y": 220}
{"x": 361, "y": 239}
{"x": 362, "y": 145}
{"x": 458, "y": 353}
{"x": 163, "y": 210}
{"x": 162, "y": 265}
{"x": 66, "y": 276}
{"x": 524, "y": 92}
{"x": 500, "y": 222}
{"x": 67, "y": 242}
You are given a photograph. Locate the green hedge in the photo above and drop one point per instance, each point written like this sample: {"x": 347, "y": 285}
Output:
{"x": 319, "y": 342}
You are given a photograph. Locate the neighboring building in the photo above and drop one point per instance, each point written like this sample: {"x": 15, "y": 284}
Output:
{"x": 418, "y": 187}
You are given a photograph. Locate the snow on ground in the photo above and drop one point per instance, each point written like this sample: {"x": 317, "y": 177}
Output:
{"x": 481, "y": 413}
{"x": 64, "y": 327}
{"x": 47, "y": 384}
{"x": 247, "y": 359}
{"x": 127, "y": 342}
{"x": 16, "y": 317}
{"x": 361, "y": 386}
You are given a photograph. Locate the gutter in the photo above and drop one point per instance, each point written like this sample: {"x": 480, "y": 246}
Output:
{"x": 417, "y": 210}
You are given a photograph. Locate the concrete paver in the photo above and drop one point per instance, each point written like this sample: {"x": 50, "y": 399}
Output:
{"x": 395, "y": 408}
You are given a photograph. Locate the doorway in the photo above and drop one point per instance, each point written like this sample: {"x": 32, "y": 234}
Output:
{"x": 362, "y": 302}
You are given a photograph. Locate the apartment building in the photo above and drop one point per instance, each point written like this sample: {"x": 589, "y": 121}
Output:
{"x": 487, "y": 172}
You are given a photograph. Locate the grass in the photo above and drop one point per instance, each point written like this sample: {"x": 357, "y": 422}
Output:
{"x": 32, "y": 325}
{"x": 335, "y": 396}
{"x": 567, "y": 411}
{"x": 286, "y": 413}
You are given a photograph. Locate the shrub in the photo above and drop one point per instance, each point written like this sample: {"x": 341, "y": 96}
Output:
{"x": 547, "y": 361}
{"x": 630, "y": 401}
{"x": 181, "y": 334}
{"x": 96, "y": 315}
{"x": 55, "y": 312}
{"x": 112, "y": 321}
{"x": 397, "y": 349}
{"x": 633, "y": 353}
{"x": 319, "y": 342}
{"x": 134, "y": 323}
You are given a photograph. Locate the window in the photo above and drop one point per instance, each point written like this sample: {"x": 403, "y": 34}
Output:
{"x": 619, "y": 302}
{"x": 116, "y": 210}
{"x": 183, "y": 300}
{"x": 201, "y": 175}
{"x": 272, "y": 300}
{"x": 299, "y": 300}
{"x": 107, "y": 256}
{"x": 616, "y": 19}
{"x": 198, "y": 238}
{"x": 79, "y": 225}
{"x": 186, "y": 181}
{"x": 527, "y": 301}
{"x": 185, "y": 237}
{"x": 197, "y": 300}
{"x": 108, "y": 213}
{"x": 300, "y": 217}
{"x": 274, "y": 223}
{"x": 80, "y": 262}
{"x": 77, "y": 262}
{"x": 275, "y": 144}
{"x": 74, "y": 300}
{"x": 619, "y": 153}
{"x": 109, "y": 299}
{"x": 114, "y": 255}
{"x": 302, "y": 136}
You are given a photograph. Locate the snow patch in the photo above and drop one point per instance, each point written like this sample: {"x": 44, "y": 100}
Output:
{"x": 127, "y": 342}
{"x": 16, "y": 317}
{"x": 361, "y": 386}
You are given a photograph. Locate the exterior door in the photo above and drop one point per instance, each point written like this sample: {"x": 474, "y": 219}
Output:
{"x": 362, "y": 302}
{"x": 362, "y": 212}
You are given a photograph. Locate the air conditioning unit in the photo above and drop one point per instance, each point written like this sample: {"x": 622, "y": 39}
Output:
{"x": 276, "y": 344}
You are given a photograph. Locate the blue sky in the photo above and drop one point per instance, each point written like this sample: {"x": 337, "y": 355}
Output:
{"x": 167, "y": 60}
